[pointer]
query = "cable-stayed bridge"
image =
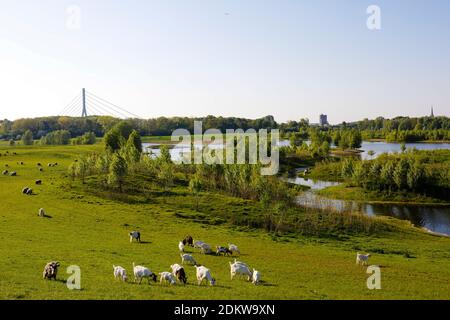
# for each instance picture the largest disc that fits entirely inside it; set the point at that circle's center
(87, 103)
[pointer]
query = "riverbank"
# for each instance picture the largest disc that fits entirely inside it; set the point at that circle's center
(351, 193)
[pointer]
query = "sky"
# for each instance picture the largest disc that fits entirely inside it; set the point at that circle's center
(243, 58)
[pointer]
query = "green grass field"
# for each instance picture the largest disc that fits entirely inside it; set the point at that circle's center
(92, 232)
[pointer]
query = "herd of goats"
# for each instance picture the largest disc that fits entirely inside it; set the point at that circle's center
(177, 273)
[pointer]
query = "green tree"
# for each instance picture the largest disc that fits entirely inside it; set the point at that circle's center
(117, 171)
(27, 138)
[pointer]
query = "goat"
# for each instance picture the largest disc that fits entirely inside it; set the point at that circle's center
(362, 258)
(135, 235)
(234, 249)
(181, 246)
(141, 272)
(188, 241)
(203, 273)
(167, 277)
(179, 273)
(256, 278)
(41, 213)
(223, 250)
(237, 269)
(120, 273)
(51, 270)
(187, 258)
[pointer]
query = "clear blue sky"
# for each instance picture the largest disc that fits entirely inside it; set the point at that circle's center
(247, 58)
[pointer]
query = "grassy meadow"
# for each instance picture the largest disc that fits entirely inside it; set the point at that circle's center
(90, 229)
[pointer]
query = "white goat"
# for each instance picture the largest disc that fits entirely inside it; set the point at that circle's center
(181, 246)
(203, 273)
(234, 249)
(120, 273)
(198, 244)
(141, 272)
(256, 277)
(362, 259)
(237, 269)
(187, 258)
(205, 248)
(167, 277)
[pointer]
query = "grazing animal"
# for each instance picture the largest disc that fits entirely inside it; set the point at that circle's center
(167, 277)
(41, 170)
(5, 172)
(256, 278)
(179, 273)
(25, 190)
(120, 273)
(141, 272)
(205, 248)
(203, 273)
(224, 251)
(38, 182)
(13, 174)
(198, 244)
(187, 258)
(29, 192)
(39, 165)
(181, 246)
(237, 269)
(41, 213)
(234, 249)
(21, 163)
(51, 270)
(188, 241)
(135, 235)
(362, 259)
(240, 262)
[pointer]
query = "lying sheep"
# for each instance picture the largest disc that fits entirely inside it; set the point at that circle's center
(27, 191)
(51, 270)
(13, 174)
(141, 272)
(38, 182)
(120, 273)
(167, 277)
(187, 258)
(203, 273)
(362, 259)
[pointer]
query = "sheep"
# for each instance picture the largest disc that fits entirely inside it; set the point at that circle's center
(223, 250)
(237, 269)
(41, 213)
(135, 235)
(362, 258)
(13, 174)
(5, 172)
(256, 278)
(25, 190)
(41, 170)
(120, 273)
(51, 270)
(187, 258)
(188, 241)
(179, 273)
(181, 246)
(29, 192)
(50, 165)
(234, 249)
(203, 273)
(141, 272)
(167, 277)
(38, 182)
(39, 165)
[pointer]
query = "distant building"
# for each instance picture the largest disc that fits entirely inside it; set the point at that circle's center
(323, 120)
(432, 113)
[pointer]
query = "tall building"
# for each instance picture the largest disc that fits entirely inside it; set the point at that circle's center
(432, 112)
(323, 120)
